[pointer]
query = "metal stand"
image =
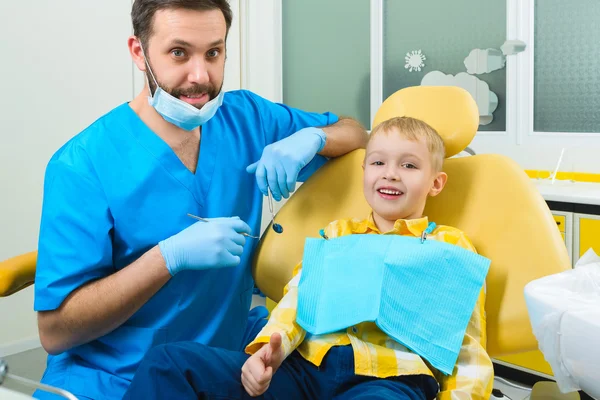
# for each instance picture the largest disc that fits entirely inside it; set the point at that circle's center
(4, 374)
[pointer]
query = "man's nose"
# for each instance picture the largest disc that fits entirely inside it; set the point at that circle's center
(198, 72)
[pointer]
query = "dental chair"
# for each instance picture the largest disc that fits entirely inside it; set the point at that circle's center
(488, 196)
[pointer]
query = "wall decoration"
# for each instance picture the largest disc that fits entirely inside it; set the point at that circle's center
(480, 61)
(487, 101)
(414, 60)
(511, 47)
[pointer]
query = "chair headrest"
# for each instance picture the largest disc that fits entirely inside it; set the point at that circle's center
(450, 110)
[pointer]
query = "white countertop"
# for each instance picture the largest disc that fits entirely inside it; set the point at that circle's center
(568, 191)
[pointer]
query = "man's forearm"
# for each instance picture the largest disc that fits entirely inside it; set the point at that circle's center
(101, 306)
(343, 137)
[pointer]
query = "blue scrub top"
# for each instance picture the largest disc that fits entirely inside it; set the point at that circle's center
(114, 191)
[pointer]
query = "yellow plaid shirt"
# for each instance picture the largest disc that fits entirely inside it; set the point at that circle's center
(375, 353)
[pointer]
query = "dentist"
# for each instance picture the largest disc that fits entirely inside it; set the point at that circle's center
(121, 267)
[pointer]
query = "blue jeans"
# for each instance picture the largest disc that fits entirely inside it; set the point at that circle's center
(189, 370)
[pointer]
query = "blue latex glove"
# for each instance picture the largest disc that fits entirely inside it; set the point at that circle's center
(218, 243)
(281, 162)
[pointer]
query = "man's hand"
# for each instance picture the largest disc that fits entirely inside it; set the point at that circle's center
(281, 162)
(214, 243)
(258, 370)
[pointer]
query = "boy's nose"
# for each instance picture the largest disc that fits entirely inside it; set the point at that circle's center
(391, 174)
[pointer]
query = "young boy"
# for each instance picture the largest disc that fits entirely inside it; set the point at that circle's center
(402, 167)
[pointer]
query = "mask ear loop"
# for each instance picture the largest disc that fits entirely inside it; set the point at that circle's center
(148, 66)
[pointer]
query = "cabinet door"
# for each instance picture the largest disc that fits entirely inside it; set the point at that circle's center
(564, 223)
(532, 362)
(587, 234)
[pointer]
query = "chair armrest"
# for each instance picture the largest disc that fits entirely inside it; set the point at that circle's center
(17, 273)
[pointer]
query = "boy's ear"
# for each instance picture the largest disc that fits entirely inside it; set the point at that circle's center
(438, 184)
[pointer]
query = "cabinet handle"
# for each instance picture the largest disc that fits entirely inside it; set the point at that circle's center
(557, 222)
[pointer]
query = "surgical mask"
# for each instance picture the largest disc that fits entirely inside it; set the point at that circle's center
(178, 112)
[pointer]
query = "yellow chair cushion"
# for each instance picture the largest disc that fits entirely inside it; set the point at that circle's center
(450, 110)
(17, 273)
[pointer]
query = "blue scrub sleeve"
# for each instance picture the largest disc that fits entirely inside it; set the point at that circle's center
(280, 121)
(75, 246)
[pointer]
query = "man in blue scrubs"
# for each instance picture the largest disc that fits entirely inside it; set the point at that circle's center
(121, 267)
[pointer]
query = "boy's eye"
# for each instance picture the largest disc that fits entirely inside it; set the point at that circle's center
(410, 166)
(377, 163)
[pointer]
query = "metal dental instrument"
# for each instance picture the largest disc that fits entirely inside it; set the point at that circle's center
(276, 227)
(205, 220)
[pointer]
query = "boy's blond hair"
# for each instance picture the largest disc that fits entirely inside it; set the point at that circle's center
(415, 129)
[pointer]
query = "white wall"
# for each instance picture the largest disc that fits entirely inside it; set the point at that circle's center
(63, 65)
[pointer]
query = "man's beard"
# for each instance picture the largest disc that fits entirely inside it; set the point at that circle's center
(195, 90)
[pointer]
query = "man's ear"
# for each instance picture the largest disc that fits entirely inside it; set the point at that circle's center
(438, 184)
(137, 55)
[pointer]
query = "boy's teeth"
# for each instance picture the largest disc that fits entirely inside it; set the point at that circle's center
(387, 191)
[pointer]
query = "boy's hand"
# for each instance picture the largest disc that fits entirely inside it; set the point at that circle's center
(260, 367)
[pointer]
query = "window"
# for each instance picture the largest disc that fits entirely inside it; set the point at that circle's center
(326, 56)
(446, 32)
(566, 66)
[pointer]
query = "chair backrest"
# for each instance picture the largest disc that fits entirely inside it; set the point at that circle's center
(487, 196)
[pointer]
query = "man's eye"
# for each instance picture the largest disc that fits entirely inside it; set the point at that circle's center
(213, 53)
(178, 53)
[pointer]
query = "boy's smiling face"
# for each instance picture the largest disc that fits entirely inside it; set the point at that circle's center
(399, 174)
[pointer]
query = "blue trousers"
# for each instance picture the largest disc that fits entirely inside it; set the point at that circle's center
(188, 370)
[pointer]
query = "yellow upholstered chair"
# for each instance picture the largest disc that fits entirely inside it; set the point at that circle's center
(488, 196)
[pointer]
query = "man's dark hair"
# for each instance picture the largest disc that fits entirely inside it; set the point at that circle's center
(142, 13)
